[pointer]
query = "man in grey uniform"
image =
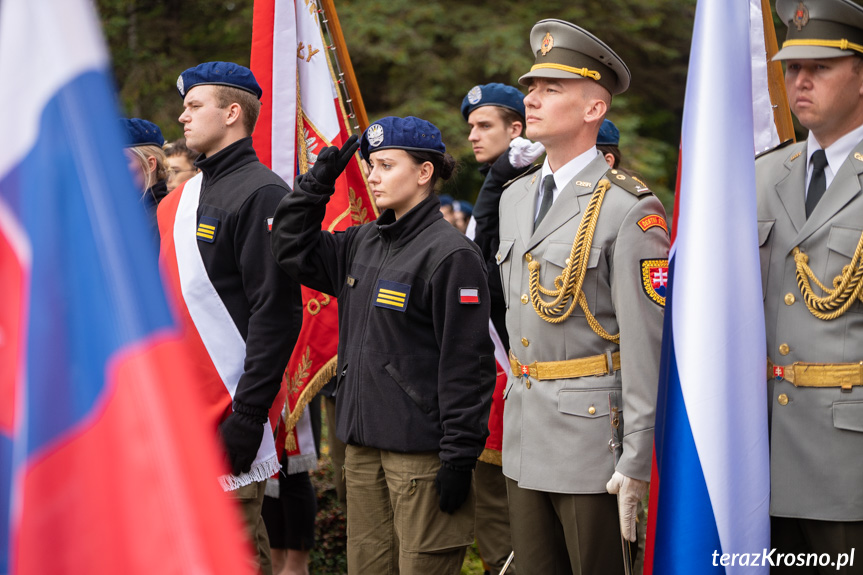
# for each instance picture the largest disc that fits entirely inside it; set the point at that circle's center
(583, 264)
(810, 220)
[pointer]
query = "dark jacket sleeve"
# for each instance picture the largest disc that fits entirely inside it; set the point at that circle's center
(467, 368)
(315, 258)
(275, 304)
(486, 214)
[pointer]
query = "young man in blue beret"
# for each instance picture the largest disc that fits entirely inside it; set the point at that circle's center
(244, 310)
(495, 114)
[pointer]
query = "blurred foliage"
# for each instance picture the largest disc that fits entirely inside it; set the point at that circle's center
(329, 555)
(421, 58)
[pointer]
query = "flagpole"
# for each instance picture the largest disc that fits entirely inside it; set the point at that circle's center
(331, 20)
(775, 78)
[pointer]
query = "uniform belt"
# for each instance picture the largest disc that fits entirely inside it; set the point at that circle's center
(605, 364)
(844, 375)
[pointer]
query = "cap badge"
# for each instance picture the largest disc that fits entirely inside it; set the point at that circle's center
(801, 16)
(548, 43)
(376, 135)
(180, 85)
(475, 95)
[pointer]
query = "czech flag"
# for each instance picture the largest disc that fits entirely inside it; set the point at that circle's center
(103, 465)
(711, 488)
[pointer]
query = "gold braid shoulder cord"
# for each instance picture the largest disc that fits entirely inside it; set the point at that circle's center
(847, 286)
(568, 284)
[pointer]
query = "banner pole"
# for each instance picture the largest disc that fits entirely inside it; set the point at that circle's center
(775, 78)
(331, 20)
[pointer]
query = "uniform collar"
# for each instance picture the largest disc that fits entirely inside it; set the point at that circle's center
(569, 170)
(403, 230)
(226, 160)
(836, 153)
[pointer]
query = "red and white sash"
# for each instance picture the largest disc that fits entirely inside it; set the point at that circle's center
(212, 336)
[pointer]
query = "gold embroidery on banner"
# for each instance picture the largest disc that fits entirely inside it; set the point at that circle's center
(358, 213)
(302, 372)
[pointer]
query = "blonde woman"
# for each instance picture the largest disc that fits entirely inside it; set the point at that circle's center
(146, 160)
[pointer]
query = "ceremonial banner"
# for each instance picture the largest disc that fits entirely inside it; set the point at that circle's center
(303, 112)
(710, 486)
(104, 468)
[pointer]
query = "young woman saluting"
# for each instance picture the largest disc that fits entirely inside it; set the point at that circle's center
(416, 369)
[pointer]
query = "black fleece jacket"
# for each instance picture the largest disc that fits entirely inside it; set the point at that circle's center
(241, 195)
(416, 371)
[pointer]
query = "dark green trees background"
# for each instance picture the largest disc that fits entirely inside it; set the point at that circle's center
(421, 58)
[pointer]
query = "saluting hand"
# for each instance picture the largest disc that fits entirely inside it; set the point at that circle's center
(332, 161)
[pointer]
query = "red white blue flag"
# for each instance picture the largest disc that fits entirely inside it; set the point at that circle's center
(710, 486)
(103, 467)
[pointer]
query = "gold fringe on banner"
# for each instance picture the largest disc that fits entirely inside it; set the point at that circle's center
(315, 384)
(491, 456)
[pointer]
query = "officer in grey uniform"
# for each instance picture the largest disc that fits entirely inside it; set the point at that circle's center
(810, 228)
(583, 264)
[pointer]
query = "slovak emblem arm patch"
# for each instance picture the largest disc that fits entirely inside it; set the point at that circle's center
(654, 279)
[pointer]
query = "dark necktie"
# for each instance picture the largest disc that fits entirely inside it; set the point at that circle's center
(547, 198)
(818, 183)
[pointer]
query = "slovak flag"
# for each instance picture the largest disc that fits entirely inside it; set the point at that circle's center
(710, 490)
(103, 466)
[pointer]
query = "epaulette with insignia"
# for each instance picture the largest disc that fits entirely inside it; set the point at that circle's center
(527, 173)
(629, 183)
(787, 142)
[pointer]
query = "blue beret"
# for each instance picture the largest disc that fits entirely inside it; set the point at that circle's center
(493, 95)
(608, 135)
(141, 133)
(219, 74)
(445, 200)
(407, 133)
(462, 206)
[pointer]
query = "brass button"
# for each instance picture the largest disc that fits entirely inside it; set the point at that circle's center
(524, 298)
(524, 342)
(528, 257)
(527, 383)
(567, 262)
(789, 299)
(497, 257)
(784, 349)
(783, 399)
(591, 410)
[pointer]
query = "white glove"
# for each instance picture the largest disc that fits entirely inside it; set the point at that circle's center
(629, 492)
(522, 152)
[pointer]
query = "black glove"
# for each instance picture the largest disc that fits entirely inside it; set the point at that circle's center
(332, 161)
(242, 432)
(453, 486)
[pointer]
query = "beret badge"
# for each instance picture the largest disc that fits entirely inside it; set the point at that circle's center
(376, 135)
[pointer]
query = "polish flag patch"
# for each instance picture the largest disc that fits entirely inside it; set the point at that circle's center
(468, 295)
(269, 225)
